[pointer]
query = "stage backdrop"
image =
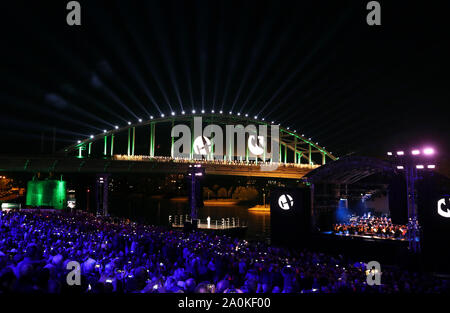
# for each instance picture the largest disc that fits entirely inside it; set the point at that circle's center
(290, 215)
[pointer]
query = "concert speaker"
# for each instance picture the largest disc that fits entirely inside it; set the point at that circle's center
(290, 215)
(397, 196)
(434, 217)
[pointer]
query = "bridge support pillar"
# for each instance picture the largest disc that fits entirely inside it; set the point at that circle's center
(211, 150)
(152, 139)
(105, 149)
(101, 194)
(310, 160)
(246, 151)
(195, 195)
(295, 150)
(80, 150)
(281, 153)
(172, 140)
(112, 144)
(264, 151)
(129, 142)
(133, 140)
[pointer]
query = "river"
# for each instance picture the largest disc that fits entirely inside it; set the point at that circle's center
(157, 211)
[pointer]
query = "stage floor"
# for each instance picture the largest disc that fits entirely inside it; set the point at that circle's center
(204, 226)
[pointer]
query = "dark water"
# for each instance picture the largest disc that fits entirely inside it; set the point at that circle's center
(157, 212)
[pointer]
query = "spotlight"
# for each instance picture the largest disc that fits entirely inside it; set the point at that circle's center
(220, 111)
(246, 115)
(116, 127)
(256, 117)
(303, 135)
(212, 111)
(431, 166)
(428, 151)
(419, 166)
(287, 128)
(203, 111)
(263, 118)
(173, 113)
(140, 120)
(129, 123)
(104, 130)
(230, 112)
(239, 114)
(389, 153)
(162, 115)
(151, 117)
(79, 141)
(273, 122)
(91, 136)
(415, 152)
(400, 153)
(182, 112)
(193, 111)
(399, 167)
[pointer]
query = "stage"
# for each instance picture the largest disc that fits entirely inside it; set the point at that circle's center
(366, 236)
(229, 230)
(365, 248)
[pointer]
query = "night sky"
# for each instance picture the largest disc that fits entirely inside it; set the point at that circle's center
(318, 68)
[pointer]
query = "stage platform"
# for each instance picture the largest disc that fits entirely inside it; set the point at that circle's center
(237, 231)
(364, 248)
(364, 236)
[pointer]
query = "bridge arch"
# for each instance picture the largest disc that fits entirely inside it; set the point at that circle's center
(294, 148)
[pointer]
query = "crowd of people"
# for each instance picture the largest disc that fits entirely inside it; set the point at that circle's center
(381, 227)
(119, 256)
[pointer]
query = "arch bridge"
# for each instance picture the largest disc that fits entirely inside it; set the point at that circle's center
(295, 149)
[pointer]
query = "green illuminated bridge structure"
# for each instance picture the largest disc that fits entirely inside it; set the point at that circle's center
(136, 148)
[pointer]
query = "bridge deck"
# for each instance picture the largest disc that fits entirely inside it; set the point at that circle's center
(164, 166)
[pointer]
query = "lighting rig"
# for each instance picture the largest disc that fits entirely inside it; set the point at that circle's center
(413, 162)
(195, 174)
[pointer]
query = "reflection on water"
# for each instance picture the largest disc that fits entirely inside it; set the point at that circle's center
(157, 211)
